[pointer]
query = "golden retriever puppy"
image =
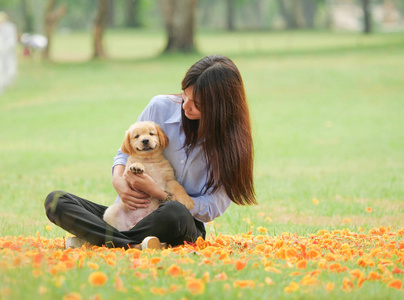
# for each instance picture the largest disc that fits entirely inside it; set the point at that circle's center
(144, 143)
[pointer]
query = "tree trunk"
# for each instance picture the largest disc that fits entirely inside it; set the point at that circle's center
(309, 10)
(28, 19)
(179, 21)
(110, 21)
(367, 20)
(230, 15)
(52, 17)
(132, 8)
(100, 18)
(288, 13)
(297, 8)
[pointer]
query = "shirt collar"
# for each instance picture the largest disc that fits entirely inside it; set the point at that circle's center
(175, 118)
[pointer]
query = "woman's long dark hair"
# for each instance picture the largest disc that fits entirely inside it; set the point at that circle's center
(224, 128)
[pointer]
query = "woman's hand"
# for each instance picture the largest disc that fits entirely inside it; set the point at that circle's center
(133, 198)
(146, 184)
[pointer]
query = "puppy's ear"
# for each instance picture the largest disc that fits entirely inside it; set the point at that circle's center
(126, 147)
(162, 137)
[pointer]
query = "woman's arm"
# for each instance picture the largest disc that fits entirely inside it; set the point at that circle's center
(132, 198)
(210, 206)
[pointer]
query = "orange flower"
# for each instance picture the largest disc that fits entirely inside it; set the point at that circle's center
(37, 259)
(155, 260)
(269, 281)
(307, 280)
(347, 285)
(72, 296)
(119, 283)
(396, 284)
(356, 273)
(273, 270)
(374, 275)
(368, 209)
(97, 278)
(313, 254)
(315, 201)
(158, 291)
(221, 276)
(174, 270)
(301, 264)
(329, 286)
(262, 230)
(244, 284)
(293, 286)
(397, 270)
(93, 266)
(195, 286)
(240, 264)
(290, 253)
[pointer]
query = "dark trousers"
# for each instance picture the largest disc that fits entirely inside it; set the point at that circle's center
(171, 222)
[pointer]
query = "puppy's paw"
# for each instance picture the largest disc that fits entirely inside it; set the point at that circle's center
(187, 201)
(136, 168)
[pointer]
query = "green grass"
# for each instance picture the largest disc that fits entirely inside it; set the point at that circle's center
(327, 112)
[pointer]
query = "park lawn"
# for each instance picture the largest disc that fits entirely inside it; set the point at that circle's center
(327, 113)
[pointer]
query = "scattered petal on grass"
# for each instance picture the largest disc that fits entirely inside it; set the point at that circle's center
(368, 209)
(315, 201)
(97, 278)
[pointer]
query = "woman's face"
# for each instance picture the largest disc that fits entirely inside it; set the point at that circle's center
(189, 106)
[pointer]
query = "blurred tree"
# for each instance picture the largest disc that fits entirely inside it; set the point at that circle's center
(230, 14)
(132, 17)
(179, 21)
(297, 13)
(367, 18)
(52, 17)
(27, 16)
(99, 29)
(110, 18)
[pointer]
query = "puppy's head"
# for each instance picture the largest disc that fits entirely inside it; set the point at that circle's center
(144, 138)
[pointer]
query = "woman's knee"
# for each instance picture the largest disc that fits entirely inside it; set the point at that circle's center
(174, 213)
(52, 201)
(175, 210)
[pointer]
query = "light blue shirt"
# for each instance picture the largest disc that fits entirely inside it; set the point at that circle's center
(192, 171)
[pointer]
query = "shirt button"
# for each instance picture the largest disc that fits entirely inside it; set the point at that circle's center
(182, 161)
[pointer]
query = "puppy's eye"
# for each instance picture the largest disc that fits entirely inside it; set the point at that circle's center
(151, 133)
(136, 136)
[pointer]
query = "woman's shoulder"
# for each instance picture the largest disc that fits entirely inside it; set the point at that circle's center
(166, 101)
(161, 108)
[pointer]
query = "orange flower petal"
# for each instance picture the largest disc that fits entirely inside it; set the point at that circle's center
(97, 278)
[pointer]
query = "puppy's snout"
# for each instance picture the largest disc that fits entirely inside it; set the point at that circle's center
(145, 141)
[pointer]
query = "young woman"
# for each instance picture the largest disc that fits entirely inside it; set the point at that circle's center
(210, 149)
